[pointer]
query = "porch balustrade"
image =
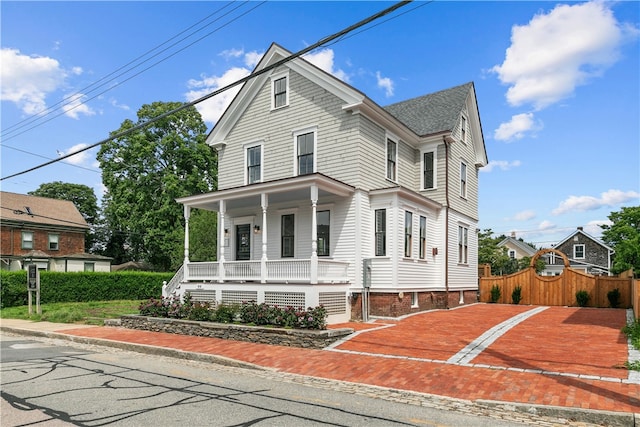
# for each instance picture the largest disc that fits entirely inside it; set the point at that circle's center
(294, 270)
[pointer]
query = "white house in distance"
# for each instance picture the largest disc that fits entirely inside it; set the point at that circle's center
(325, 197)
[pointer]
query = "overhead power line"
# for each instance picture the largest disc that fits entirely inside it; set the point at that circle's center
(225, 88)
(44, 116)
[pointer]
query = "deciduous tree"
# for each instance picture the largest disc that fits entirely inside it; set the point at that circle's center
(145, 171)
(623, 235)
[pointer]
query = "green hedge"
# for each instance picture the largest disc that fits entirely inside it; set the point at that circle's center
(81, 287)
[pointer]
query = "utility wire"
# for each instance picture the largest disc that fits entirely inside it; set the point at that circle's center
(225, 88)
(49, 158)
(13, 131)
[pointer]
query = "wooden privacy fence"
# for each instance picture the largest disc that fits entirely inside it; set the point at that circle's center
(559, 290)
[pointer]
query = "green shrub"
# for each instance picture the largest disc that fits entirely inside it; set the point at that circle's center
(516, 295)
(495, 293)
(82, 286)
(632, 331)
(582, 297)
(614, 298)
(226, 313)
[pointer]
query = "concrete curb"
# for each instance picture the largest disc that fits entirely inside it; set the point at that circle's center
(591, 416)
(140, 348)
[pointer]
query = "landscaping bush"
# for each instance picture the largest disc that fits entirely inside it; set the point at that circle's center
(81, 286)
(582, 297)
(614, 298)
(247, 313)
(516, 295)
(495, 293)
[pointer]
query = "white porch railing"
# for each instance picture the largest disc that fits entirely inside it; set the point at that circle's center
(294, 270)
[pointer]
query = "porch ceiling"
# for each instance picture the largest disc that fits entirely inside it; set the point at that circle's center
(296, 188)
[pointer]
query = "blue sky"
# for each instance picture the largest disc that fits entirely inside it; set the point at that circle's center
(558, 86)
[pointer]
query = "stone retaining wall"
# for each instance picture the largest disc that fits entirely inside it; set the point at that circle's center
(257, 334)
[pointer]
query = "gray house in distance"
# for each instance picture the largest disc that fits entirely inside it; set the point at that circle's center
(584, 252)
(325, 197)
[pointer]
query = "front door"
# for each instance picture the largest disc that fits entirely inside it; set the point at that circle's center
(243, 242)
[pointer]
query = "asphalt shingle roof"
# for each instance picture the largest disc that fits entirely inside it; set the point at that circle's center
(433, 113)
(44, 210)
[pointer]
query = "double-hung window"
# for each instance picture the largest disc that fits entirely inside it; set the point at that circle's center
(27, 240)
(381, 232)
(423, 237)
(463, 180)
(408, 222)
(463, 244)
(323, 232)
(287, 236)
(578, 251)
(428, 170)
(305, 147)
(280, 91)
(54, 242)
(392, 156)
(254, 164)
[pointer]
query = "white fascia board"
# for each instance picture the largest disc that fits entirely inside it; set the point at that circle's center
(476, 130)
(379, 116)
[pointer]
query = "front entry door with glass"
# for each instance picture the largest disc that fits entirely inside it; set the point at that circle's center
(243, 242)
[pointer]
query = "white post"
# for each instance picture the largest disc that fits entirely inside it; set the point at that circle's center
(221, 241)
(263, 260)
(187, 214)
(314, 236)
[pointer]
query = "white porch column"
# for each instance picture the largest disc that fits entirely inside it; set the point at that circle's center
(187, 214)
(314, 236)
(221, 241)
(263, 260)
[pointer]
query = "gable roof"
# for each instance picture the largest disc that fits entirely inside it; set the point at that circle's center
(411, 119)
(588, 236)
(524, 247)
(40, 210)
(442, 109)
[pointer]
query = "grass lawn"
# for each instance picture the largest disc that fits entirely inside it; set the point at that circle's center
(91, 313)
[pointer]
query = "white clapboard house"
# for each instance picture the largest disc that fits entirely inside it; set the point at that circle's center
(324, 195)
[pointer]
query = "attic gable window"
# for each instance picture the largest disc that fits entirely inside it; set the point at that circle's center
(578, 251)
(463, 129)
(428, 170)
(392, 155)
(279, 90)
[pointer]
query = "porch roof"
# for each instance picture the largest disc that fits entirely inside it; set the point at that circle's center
(281, 190)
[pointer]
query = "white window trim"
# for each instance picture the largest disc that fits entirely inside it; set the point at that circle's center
(584, 254)
(466, 252)
(435, 168)
(296, 133)
(386, 232)
(464, 191)
(57, 240)
(464, 129)
(282, 213)
(274, 77)
(245, 149)
(396, 140)
(23, 240)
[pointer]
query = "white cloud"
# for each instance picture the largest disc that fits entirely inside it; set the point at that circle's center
(252, 58)
(558, 51)
(517, 127)
(73, 106)
(501, 164)
(78, 159)
(212, 108)
(593, 227)
(589, 203)
(27, 80)
(232, 53)
(546, 225)
(385, 83)
(323, 59)
(114, 103)
(524, 215)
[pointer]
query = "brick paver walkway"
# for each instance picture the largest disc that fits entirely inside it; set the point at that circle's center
(580, 350)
